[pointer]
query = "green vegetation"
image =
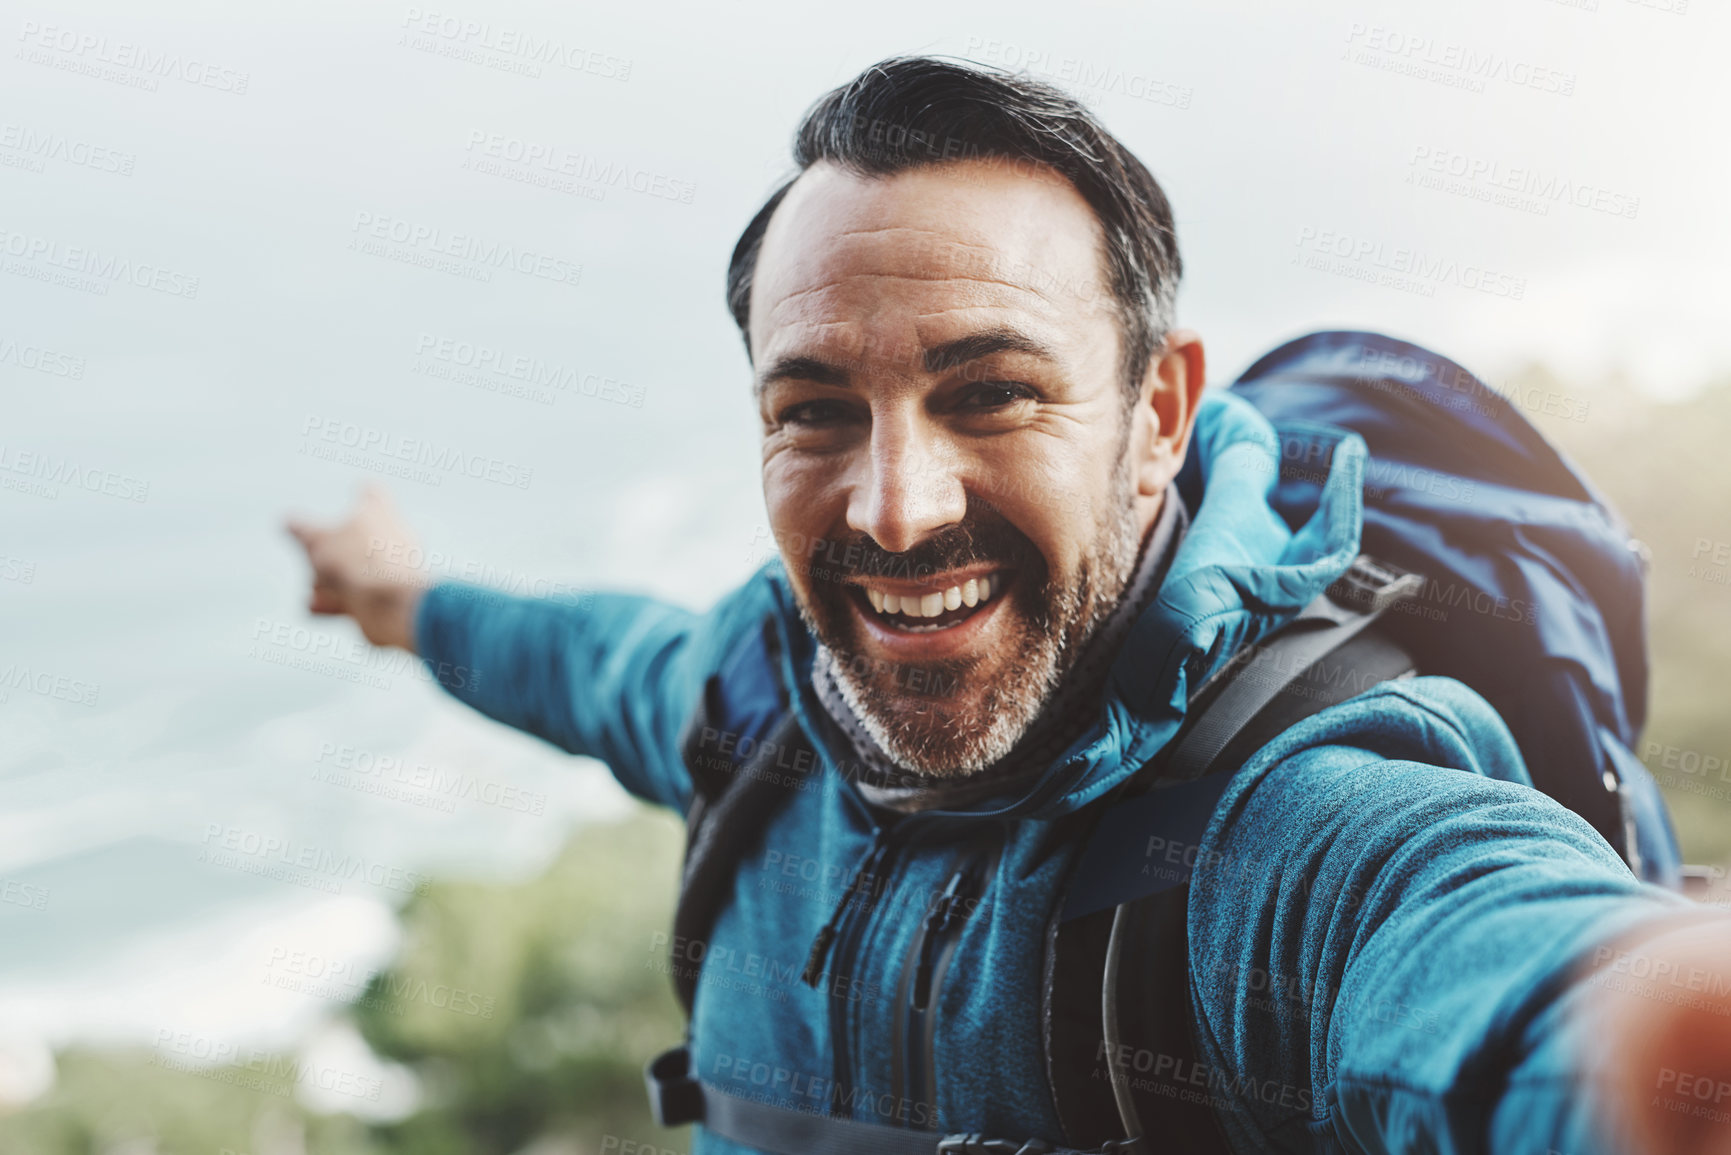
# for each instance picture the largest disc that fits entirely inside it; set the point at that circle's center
(562, 1001)
(1667, 469)
(582, 1001)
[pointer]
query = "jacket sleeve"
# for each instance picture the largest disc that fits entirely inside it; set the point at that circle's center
(612, 676)
(1386, 953)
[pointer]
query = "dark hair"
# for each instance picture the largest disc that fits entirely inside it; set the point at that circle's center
(910, 111)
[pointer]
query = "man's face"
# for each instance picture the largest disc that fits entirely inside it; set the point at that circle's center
(947, 451)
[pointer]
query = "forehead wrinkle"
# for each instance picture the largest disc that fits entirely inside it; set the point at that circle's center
(995, 258)
(876, 229)
(793, 296)
(945, 240)
(992, 260)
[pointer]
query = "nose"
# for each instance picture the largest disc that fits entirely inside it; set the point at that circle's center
(911, 486)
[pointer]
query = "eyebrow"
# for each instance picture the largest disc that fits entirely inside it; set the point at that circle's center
(977, 345)
(949, 355)
(813, 369)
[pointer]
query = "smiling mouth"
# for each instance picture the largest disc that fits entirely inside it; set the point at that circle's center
(932, 609)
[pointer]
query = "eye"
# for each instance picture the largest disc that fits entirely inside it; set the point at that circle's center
(813, 414)
(996, 395)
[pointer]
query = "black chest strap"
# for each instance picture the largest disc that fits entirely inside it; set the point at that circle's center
(679, 1098)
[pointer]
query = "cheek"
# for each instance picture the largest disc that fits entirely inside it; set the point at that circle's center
(804, 502)
(1051, 499)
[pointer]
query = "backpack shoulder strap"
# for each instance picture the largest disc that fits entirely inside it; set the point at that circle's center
(1127, 1068)
(746, 753)
(1146, 839)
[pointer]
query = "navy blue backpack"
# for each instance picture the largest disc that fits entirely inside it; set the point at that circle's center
(1534, 587)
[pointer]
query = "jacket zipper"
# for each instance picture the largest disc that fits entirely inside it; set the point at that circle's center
(835, 942)
(927, 964)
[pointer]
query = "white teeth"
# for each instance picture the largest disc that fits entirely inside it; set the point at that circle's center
(970, 593)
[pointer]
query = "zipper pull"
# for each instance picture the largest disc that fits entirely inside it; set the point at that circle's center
(813, 973)
(819, 948)
(939, 920)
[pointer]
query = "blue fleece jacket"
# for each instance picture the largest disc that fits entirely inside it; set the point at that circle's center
(1383, 921)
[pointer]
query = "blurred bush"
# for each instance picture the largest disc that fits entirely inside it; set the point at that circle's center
(1666, 468)
(571, 968)
(563, 998)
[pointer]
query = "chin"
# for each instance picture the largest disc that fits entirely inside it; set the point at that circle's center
(945, 718)
(947, 665)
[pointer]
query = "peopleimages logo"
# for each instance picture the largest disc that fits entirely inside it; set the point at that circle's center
(588, 168)
(1513, 186)
(17, 569)
(428, 245)
(40, 359)
(1397, 266)
(60, 687)
(314, 975)
(40, 147)
(350, 658)
(1173, 1076)
(491, 367)
(253, 1068)
(454, 785)
(89, 262)
(25, 894)
(1385, 369)
(44, 470)
(760, 1081)
(1442, 62)
(228, 846)
(441, 459)
(87, 52)
(1079, 72)
(433, 30)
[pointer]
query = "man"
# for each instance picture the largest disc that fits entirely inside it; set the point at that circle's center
(989, 607)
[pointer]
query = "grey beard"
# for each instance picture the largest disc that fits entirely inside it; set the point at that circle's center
(931, 742)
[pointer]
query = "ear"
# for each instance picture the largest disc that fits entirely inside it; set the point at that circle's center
(1165, 411)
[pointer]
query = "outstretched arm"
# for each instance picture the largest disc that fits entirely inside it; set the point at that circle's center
(612, 676)
(1429, 934)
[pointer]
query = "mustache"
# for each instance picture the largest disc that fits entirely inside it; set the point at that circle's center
(974, 540)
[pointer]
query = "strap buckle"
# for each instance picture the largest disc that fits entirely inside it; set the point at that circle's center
(977, 1144)
(1371, 586)
(674, 1096)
